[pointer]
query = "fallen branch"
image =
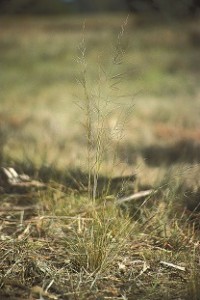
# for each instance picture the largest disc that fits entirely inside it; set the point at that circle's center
(172, 266)
(11, 181)
(135, 196)
(63, 218)
(18, 208)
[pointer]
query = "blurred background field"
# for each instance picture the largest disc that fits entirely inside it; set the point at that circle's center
(41, 118)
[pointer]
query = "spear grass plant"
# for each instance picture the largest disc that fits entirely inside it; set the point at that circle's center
(98, 106)
(97, 241)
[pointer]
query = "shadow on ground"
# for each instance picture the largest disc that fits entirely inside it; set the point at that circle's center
(75, 179)
(186, 151)
(182, 151)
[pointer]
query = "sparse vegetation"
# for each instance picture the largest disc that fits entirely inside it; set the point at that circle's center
(58, 244)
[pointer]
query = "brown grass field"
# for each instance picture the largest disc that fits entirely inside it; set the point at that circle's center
(98, 108)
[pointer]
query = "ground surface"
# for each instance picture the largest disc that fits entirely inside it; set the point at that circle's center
(112, 108)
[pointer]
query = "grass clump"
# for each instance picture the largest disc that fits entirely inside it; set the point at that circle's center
(98, 241)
